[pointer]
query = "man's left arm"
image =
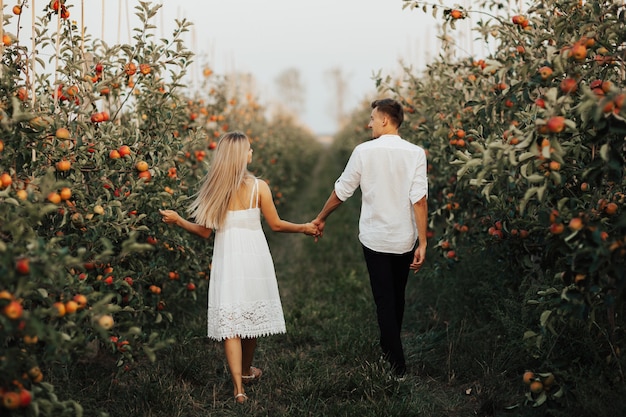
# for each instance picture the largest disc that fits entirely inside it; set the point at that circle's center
(419, 194)
(420, 209)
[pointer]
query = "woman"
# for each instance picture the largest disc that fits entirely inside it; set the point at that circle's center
(244, 302)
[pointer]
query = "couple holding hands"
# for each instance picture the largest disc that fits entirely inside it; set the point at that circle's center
(244, 302)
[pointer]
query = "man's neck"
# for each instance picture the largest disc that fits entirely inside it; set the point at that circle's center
(390, 132)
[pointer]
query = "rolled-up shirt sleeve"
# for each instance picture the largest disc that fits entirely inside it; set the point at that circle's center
(419, 185)
(350, 178)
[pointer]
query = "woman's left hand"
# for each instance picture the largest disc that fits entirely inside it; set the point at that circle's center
(169, 216)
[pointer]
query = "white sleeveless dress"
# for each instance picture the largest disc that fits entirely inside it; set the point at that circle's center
(243, 291)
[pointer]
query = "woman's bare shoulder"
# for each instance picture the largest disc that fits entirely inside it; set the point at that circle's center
(264, 188)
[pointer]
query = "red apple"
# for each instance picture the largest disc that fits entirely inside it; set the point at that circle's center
(5, 180)
(22, 266)
(578, 52)
(124, 150)
(146, 175)
(106, 322)
(557, 228)
(62, 133)
(97, 118)
(11, 400)
(545, 72)
(25, 398)
(569, 85)
(556, 124)
(13, 310)
(576, 223)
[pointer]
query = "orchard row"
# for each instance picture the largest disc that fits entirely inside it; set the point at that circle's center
(89, 152)
(526, 153)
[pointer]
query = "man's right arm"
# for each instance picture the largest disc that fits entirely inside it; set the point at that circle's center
(331, 205)
(346, 184)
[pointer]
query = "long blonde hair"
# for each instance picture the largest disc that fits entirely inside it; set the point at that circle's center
(226, 175)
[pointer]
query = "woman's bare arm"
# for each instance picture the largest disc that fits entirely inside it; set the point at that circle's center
(172, 217)
(273, 219)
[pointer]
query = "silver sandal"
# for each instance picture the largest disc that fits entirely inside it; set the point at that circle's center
(255, 375)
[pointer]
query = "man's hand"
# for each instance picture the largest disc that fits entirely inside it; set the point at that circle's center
(320, 228)
(418, 259)
(310, 229)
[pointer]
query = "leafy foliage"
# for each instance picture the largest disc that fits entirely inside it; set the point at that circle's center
(88, 154)
(526, 150)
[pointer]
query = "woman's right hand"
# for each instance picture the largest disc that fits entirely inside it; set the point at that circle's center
(311, 229)
(170, 216)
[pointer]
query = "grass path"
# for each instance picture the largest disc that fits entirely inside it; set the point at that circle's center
(295, 256)
(325, 365)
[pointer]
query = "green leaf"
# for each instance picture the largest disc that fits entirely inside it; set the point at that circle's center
(527, 195)
(535, 178)
(149, 353)
(549, 291)
(543, 320)
(541, 399)
(529, 334)
(604, 152)
(541, 190)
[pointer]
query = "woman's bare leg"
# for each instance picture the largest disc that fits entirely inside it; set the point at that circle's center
(248, 347)
(233, 351)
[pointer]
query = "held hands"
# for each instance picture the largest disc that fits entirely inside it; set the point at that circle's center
(170, 216)
(311, 229)
(320, 228)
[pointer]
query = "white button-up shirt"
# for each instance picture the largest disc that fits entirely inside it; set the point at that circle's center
(392, 175)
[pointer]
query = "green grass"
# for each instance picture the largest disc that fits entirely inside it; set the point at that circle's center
(327, 364)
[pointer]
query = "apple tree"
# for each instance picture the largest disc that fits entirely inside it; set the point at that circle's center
(526, 157)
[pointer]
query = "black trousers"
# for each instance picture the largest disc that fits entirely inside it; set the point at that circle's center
(388, 277)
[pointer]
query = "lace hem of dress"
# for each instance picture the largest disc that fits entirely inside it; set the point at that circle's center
(259, 319)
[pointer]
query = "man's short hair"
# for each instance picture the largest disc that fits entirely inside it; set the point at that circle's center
(390, 107)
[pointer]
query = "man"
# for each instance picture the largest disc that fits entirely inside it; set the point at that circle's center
(392, 175)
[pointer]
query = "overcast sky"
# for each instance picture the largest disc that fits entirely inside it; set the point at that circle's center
(266, 37)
